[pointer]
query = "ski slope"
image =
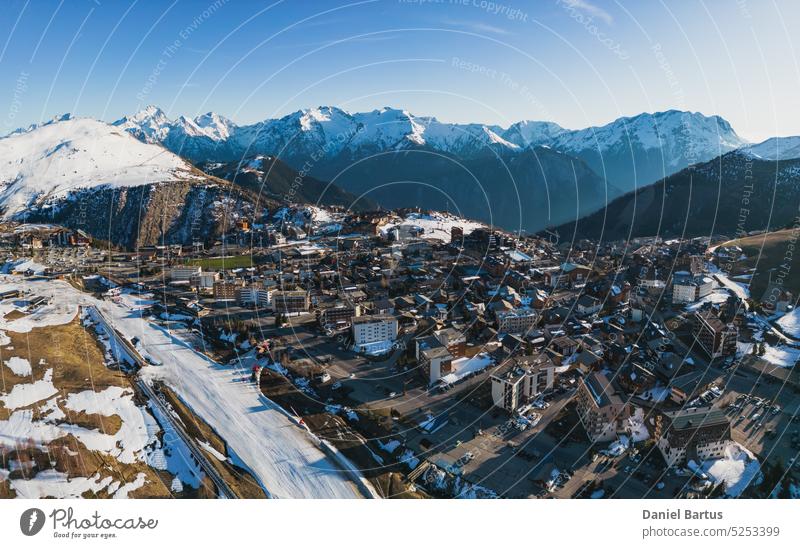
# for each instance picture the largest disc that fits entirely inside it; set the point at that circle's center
(282, 456)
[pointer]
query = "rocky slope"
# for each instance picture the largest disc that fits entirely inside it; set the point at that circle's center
(270, 178)
(155, 214)
(86, 174)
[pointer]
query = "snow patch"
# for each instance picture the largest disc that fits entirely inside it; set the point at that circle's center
(20, 366)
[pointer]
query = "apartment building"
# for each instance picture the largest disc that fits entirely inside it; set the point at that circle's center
(522, 380)
(435, 362)
(374, 328)
(254, 294)
(225, 290)
(204, 281)
(453, 339)
(516, 321)
(692, 263)
(588, 305)
(339, 315)
(567, 275)
(290, 302)
(600, 409)
(692, 434)
(689, 289)
(715, 336)
(184, 273)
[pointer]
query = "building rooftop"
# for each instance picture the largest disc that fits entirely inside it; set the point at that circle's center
(436, 352)
(692, 418)
(601, 390)
(711, 320)
(374, 318)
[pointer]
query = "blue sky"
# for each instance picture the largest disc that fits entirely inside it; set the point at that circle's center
(575, 62)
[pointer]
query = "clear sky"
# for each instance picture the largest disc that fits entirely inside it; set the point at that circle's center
(574, 62)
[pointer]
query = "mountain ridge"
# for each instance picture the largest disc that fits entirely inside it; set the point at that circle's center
(83, 173)
(729, 195)
(334, 130)
(330, 143)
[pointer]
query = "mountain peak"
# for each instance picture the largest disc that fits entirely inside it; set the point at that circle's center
(211, 118)
(68, 154)
(774, 149)
(149, 124)
(150, 111)
(665, 130)
(213, 126)
(147, 114)
(531, 133)
(54, 120)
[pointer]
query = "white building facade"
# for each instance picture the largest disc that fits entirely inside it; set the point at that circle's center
(374, 329)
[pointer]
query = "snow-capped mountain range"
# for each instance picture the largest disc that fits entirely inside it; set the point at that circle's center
(635, 151)
(775, 148)
(677, 133)
(322, 131)
(368, 154)
(330, 132)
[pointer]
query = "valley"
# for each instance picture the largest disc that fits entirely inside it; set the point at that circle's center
(193, 179)
(489, 173)
(227, 297)
(264, 261)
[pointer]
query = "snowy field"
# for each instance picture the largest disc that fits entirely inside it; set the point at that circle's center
(790, 323)
(737, 469)
(740, 289)
(436, 225)
(23, 265)
(134, 301)
(57, 311)
(40, 413)
(260, 436)
(52, 483)
(136, 440)
(19, 366)
(781, 355)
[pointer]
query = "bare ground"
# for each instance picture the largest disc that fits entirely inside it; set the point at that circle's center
(77, 361)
